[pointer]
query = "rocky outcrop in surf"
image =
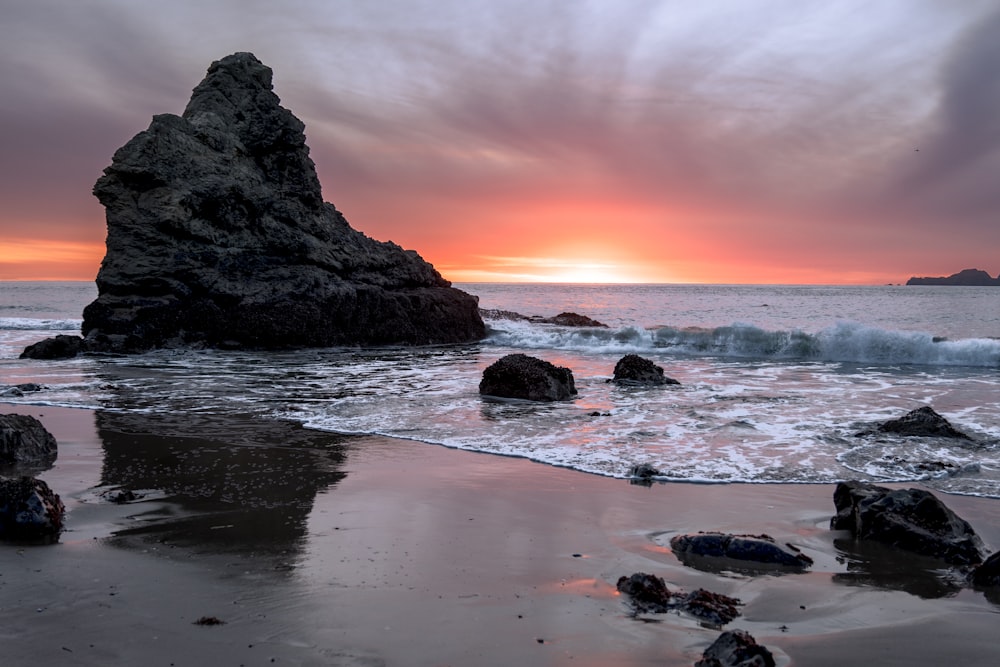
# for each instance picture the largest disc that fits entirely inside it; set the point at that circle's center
(218, 236)
(528, 378)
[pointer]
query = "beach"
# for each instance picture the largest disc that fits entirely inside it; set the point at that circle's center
(314, 548)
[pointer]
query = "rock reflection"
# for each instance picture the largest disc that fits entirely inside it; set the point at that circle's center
(239, 486)
(870, 563)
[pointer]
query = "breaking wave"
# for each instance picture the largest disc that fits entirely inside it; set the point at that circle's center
(31, 324)
(843, 342)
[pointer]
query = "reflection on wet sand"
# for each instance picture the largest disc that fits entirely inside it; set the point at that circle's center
(236, 486)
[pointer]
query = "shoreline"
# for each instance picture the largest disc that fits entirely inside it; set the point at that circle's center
(319, 549)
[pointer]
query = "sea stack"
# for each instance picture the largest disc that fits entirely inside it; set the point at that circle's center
(218, 236)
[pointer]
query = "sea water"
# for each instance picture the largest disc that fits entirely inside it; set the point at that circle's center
(777, 383)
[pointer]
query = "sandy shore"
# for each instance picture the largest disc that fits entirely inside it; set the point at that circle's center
(318, 549)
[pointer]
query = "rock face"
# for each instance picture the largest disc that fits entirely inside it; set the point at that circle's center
(218, 235)
(910, 519)
(967, 277)
(736, 648)
(521, 376)
(25, 443)
(750, 549)
(29, 509)
(922, 422)
(635, 371)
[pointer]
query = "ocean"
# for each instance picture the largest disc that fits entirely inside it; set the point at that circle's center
(776, 382)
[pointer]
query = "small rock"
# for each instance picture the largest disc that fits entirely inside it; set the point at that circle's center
(635, 371)
(755, 549)
(736, 648)
(29, 509)
(714, 608)
(649, 593)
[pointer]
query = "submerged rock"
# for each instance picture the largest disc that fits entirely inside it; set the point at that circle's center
(218, 236)
(29, 509)
(748, 549)
(26, 444)
(736, 648)
(58, 347)
(922, 422)
(910, 519)
(636, 371)
(521, 376)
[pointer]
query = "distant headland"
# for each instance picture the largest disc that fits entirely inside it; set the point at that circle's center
(966, 277)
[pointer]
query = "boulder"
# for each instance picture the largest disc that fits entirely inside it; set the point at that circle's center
(58, 347)
(922, 422)
(218, 236)
(736, 648)
(910, 519)
(633, 370)
(29, 509)
(25, 443)
(749, 550)
(521, 376)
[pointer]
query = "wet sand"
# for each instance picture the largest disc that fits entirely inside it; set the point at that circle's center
(319, 549)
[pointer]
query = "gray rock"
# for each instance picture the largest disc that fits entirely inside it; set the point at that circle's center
(910, 519)
(736, 648)
(26, 444)
(218, 236)
(749, 550)
(633, 370)
(521, 376)
(571, 320)
(29, 509)
(57, 347)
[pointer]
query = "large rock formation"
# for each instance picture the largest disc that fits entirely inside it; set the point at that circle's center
(218, 235)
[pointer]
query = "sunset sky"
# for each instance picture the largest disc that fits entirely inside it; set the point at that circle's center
(724, 141)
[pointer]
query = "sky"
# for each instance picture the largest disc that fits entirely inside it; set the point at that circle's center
(724, 141)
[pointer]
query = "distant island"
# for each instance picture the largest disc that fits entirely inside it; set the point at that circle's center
(966, 277)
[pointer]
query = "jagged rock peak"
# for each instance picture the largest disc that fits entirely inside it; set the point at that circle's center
(218, 235)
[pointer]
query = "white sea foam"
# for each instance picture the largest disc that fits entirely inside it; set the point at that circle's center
(772, 401)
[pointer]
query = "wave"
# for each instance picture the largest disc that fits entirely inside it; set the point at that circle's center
(843, 342)
(31, 324)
